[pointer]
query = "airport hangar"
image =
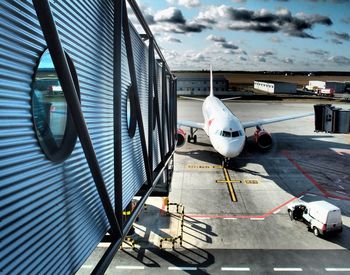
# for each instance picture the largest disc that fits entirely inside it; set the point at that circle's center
(275, 87)
(194, 84)
(67, 176)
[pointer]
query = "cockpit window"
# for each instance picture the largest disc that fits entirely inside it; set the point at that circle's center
(226, 134)
(231, 134)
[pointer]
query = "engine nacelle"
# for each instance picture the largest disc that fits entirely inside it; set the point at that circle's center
(181, 138)
(263, 139)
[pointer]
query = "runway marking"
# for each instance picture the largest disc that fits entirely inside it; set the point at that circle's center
(257, 219)
(251, 181)
(311, 179)
(333, 269)
(341, 187)
(189, 268)
(87, 266)
(230, 186)
(277, 211)
(283, 269)
(235, 269)
(341, 192)
(129, 267)
(230, 218)
(200, 166)
(312, 195)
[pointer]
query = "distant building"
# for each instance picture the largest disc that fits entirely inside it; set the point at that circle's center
(200, 85)
(275, 87)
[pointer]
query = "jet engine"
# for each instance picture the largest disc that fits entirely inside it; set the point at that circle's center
(263, 138)
(181, 138)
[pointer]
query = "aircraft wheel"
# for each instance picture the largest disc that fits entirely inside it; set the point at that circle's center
(195, 139)
(189, 139)
(290, 213)
(316, 232)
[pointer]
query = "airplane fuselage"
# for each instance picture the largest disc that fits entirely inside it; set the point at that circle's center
(224, 129)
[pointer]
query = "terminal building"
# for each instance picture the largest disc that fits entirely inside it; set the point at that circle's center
(275, 87)
(200, 85)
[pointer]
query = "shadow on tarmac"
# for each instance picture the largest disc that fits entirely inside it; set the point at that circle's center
(322, 164)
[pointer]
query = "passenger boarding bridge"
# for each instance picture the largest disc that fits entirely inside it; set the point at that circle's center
(87, 122)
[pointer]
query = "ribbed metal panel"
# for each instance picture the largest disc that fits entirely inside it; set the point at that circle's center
(51, 214)
(134, 173)
(156, 141)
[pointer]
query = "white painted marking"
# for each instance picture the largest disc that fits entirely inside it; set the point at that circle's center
(86, 266)
(301, 197)
(287, 269)
(257, 219)
(129, 267)
(202, 218)
(230, 218)
(341, 187)
(332, 269)
(341, 192)
(190, 268)
(235, 269)
(277, 211)
(312, 195)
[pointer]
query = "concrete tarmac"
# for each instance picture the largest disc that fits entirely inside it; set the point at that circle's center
(253, 234)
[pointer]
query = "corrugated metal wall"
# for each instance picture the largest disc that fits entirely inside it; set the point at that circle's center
(51, 214)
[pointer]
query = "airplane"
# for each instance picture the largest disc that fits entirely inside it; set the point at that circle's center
(225, 131)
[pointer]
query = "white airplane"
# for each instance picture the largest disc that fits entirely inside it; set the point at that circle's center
(226, 132)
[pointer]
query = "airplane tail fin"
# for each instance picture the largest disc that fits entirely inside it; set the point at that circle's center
(211, 81)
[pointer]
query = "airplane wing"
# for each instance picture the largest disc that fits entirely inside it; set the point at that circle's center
(254, 123)
(230, 98)
(190, 124)
(192, 98)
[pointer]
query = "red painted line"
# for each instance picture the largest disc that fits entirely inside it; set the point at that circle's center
(283, 204)
(311, 179)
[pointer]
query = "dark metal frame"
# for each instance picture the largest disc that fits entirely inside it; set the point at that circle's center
(118, 230)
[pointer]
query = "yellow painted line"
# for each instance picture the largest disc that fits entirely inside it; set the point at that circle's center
(230, 186)
(225, 181)
(195, 166)
(251, 181)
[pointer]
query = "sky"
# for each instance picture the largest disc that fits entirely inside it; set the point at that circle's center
(251, 35)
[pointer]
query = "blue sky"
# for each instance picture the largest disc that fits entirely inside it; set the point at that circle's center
(253, 34)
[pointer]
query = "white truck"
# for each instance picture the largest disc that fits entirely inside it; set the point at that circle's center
(320, 216)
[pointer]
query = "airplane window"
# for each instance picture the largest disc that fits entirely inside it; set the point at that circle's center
(235, 134)
(226, 134)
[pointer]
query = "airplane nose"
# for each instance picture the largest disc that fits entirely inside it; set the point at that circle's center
(231, 148)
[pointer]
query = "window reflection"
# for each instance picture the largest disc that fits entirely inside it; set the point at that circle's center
(49, 104)
(53, 124)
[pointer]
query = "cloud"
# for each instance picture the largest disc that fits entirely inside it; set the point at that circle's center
(216, 38)
(318, 52)
(288, 60)
(275, 39)
(172, 20)
(346, 20)
(170, 15)
(340, 60)
(339, 35)
(172, 39)
(186, 3)
(242, 58)
(336, 41)
(229, 45)
(260, 59)
(264, 21)
(265, 53)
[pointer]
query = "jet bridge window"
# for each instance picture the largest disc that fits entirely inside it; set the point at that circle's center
(52, 120)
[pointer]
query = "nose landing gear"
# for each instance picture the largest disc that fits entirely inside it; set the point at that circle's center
(192, 138)
(225, 162)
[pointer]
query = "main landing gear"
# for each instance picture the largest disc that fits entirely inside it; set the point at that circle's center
(192, 138)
